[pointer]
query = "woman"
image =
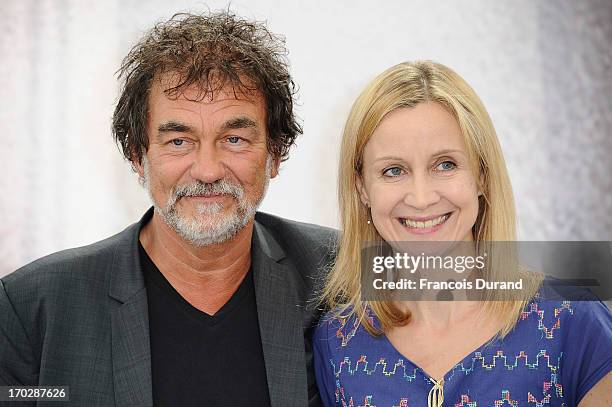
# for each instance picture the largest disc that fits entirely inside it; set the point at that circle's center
(420, 161)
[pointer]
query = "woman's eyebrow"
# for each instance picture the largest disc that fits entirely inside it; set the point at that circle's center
(389, 158)
(436, 154)
(448, 151)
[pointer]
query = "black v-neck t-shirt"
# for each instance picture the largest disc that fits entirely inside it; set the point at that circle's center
(199, 359)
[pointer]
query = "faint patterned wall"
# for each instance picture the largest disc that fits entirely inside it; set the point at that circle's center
(543, 69)
(576, 37)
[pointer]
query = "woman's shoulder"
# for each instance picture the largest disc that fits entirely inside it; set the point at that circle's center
(342, 325)
(581, 307)
(581, 326)
(565, 320)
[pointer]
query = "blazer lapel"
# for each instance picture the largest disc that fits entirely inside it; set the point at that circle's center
(131, 350)
(280, 322)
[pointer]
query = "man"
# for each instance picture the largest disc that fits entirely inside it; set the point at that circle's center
(202, 302)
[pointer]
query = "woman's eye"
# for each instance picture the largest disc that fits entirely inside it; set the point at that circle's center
(393, 172)
(233, 139)
(446, 166)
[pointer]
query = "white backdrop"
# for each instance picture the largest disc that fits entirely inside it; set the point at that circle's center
(543, 69)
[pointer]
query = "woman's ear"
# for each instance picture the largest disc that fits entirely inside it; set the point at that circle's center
(363, 194)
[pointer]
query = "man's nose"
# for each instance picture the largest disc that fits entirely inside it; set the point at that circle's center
(422, 192)
(208, 164)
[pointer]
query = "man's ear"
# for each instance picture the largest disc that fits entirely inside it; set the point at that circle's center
(138, 167)
(363, 194)
(275, 167)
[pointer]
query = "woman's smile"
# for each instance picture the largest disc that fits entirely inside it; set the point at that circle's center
(424, 225)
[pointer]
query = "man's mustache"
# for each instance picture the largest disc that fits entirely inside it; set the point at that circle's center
(199, 188)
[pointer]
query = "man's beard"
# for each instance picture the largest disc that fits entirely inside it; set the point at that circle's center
(215, 227)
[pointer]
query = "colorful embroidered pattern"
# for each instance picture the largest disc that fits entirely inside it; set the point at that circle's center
(537, 364)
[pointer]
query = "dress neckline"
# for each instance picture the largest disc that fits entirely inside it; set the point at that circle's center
(493, 340)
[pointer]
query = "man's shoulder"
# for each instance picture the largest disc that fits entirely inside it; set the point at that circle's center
(300, 232)
(309, 248)
(86, 263)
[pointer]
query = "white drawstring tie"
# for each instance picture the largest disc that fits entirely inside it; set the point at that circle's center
(436, 394)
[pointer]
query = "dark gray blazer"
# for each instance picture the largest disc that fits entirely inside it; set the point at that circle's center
(79, 317)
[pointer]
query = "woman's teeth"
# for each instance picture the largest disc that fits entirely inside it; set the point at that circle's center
(424, 225)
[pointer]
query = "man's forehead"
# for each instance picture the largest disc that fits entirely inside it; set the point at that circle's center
(213, 89)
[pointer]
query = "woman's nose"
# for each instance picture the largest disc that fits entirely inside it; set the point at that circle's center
(421, 193)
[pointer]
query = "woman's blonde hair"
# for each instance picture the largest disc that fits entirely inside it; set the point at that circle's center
(404, 86)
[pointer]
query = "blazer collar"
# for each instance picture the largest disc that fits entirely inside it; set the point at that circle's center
(265, 242)
(127, 278)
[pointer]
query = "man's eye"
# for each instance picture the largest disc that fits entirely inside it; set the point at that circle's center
(446, 166)
(177, 142)
(233, 139)
(393, 172)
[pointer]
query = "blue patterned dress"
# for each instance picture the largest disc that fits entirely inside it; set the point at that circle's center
(556, 353)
